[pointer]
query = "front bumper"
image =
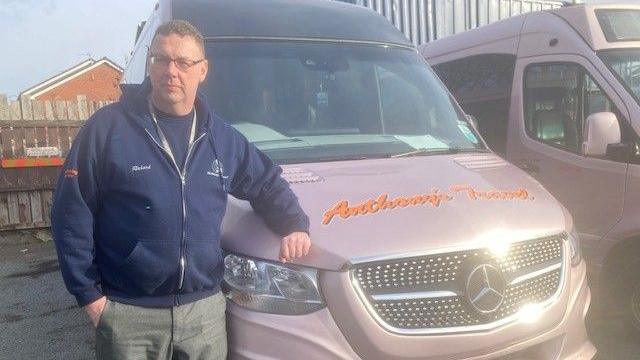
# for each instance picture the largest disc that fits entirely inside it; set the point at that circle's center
(254, 335)
(344, 330)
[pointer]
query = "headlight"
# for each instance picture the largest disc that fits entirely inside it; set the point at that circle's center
(267, 287)
(576, 253)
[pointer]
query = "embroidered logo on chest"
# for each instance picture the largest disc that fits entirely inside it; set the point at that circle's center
(217, 169)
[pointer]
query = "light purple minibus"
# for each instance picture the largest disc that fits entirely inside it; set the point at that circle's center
(426, 245)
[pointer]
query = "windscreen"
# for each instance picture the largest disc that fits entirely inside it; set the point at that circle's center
(626, 64)
(315, 101)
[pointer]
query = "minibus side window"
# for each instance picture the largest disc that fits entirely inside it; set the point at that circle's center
(558, 98)
(482, 86)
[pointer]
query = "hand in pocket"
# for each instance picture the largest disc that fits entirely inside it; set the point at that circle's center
(95, 310)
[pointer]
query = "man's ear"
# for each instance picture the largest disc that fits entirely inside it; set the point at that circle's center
(204, 70)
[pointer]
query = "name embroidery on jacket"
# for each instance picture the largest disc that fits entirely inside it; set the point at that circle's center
(140, 167)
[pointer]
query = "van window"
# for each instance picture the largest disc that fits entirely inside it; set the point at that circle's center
(558, 98)
(482, 86)
(619, 24)
(626, 65)
(315, 101)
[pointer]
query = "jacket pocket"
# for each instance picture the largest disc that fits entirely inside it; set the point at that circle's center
(151, 268)
(205, 265)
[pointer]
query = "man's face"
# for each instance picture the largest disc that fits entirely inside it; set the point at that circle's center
(174, 83)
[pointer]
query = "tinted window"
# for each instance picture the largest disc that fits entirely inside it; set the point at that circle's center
(620, 24)
(480, 77)
(482, 86)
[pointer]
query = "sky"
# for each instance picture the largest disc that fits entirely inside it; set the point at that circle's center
(41, 38)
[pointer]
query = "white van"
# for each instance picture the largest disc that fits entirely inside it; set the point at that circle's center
(557, 93)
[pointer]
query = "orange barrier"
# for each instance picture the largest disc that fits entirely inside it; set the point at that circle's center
(32, 162)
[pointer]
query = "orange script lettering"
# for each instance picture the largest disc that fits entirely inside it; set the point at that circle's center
(372, 206)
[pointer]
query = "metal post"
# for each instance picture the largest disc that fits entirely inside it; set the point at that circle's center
(423, 22)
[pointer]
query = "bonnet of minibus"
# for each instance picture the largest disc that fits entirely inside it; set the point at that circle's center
(393, 207)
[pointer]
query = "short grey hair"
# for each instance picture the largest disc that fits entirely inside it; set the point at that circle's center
(182, 28)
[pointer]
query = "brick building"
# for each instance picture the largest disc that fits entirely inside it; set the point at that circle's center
(98, 80)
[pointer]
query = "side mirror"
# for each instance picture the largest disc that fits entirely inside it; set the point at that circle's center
(600, 130)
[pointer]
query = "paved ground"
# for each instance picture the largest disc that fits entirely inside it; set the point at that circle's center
(39, 320)
(614, 341)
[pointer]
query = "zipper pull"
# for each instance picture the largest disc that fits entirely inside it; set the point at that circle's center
(182, 271)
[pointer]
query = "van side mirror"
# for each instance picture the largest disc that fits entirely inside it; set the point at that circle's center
(600, 130)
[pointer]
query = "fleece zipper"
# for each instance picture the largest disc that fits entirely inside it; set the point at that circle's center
(183, 180)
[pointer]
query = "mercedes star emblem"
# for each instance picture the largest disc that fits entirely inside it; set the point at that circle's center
(485, 288)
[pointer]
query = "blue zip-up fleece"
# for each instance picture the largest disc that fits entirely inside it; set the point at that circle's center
(125, 221)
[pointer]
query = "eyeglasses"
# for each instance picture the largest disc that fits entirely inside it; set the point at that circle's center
(181, 63)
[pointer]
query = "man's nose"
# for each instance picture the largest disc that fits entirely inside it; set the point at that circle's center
(172, 68)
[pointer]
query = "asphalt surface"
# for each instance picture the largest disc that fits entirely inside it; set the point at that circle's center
(40, 320)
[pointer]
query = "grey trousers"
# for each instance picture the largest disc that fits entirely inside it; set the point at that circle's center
(192, 331)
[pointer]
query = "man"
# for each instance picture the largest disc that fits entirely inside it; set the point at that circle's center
(138, 207)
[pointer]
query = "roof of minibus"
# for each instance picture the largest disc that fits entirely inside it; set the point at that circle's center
(502, 36)
(300, 19)
(583, 19)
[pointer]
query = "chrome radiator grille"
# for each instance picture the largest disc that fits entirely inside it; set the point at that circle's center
(460, 291)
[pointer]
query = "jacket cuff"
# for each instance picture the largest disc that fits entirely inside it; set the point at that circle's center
(298, 225)
(88, 296)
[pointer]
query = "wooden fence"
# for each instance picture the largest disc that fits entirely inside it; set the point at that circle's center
(25, 109)
(35, 137)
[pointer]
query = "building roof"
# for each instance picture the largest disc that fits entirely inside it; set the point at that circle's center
(67, 75)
